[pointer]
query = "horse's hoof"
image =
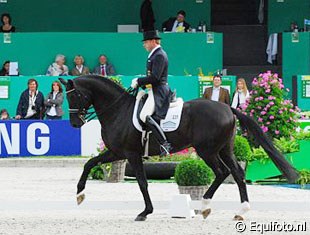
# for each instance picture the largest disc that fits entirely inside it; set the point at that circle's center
(140, 218)
(80, 198)
(206, 213)
(238, 217)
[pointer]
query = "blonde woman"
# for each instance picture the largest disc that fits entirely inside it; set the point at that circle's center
(79, 68)
(241, 94)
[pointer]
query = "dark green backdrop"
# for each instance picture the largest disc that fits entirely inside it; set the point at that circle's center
(281, 14)
(296, 57)
(95, 15)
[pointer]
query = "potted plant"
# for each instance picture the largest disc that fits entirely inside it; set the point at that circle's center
(100, 172)
(111, 172)
(276, 116)
(193, 177)
(304, 178)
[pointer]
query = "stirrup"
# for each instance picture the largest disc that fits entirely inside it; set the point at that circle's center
(165, 149)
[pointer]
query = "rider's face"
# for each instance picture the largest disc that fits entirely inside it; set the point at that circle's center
(149, 44)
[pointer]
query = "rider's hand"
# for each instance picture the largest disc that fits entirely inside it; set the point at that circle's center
(134, 83)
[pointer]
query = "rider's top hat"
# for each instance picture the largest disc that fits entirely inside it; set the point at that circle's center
(149, 35)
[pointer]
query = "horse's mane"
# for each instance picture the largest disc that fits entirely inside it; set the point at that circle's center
(101, 80)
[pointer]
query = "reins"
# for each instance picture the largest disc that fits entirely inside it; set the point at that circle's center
(85, 115)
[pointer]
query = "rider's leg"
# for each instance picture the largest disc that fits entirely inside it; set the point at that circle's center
(149, 106)
(145, 115)
(165, 147)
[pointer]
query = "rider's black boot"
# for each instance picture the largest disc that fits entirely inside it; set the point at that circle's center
(165, 146)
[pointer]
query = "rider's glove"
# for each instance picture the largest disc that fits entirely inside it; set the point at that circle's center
(134, 83)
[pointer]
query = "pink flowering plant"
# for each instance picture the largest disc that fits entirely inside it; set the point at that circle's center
(276, 116)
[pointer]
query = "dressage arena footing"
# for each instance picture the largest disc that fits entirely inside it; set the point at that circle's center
(43, 162)
(38, 197)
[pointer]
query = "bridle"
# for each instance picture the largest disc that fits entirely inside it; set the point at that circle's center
(84, 114)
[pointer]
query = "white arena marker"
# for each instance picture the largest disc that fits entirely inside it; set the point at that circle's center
(180, 207)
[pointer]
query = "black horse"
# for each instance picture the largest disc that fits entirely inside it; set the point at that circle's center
(207, 126)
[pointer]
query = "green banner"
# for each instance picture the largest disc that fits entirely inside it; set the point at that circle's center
(4, 88)
(228, 82)
(305, 86)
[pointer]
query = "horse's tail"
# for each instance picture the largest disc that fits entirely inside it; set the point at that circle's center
(246, 122)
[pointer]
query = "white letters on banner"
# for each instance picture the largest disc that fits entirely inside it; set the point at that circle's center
(31, 139)
(12, 143)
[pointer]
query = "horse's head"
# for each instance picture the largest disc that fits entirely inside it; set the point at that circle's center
(79, 103)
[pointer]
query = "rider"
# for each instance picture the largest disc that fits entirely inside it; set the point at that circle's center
(157, 103)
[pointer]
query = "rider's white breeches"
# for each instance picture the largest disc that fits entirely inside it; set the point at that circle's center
(149, 106)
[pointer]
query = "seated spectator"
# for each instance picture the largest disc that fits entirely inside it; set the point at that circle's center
(104, 68)
(31, 102)
(241, 94)
(176, 24)
(217, 93)
(6, 24)
(58, 68)
(53, 102)
(79, 68)
(5, 69)
(4, 115)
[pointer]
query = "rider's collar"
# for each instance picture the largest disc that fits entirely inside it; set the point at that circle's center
(152, 51)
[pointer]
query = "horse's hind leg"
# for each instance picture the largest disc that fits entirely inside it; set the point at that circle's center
(137, 165)
(220, 171)
(105, 157)
(238, 174)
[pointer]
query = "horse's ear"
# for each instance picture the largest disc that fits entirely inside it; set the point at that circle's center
(68, 84)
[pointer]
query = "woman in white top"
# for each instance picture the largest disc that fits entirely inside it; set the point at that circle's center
(53, 102)
(241, 94)
(58, 68)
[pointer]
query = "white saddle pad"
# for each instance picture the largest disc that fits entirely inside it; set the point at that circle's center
(173, 117)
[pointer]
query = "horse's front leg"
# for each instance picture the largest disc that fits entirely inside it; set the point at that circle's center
(105, 157)
(137, 165)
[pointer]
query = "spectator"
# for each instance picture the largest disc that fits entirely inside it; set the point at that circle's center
(58, 68)
(147, 16)
(6, 24)
(31, 102)
(79, 68)
(176, 24)
(4, 115)
(104, 68)
(241, 94)
(53, 102)
(217, 93)
(5, 68)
